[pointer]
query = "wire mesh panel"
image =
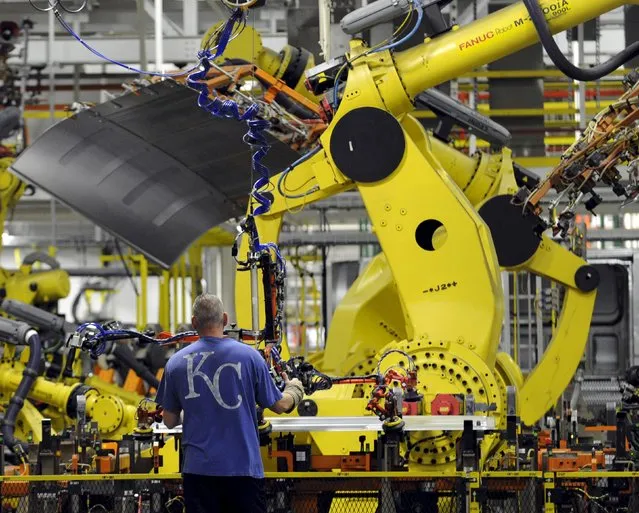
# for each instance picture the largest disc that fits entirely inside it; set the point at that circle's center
(308, 494)
(511, 493)
(125, 494)
(366, 495)
(599, 492)
(494, 492)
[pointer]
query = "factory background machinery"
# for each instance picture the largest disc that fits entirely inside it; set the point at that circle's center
(447, 266)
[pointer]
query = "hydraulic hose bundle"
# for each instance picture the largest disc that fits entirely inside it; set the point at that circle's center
(563, 64)
(19, 333)
(255, 137)
(29, 375)
(93, 337)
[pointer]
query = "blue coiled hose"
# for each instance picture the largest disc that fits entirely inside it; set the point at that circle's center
(255, 137)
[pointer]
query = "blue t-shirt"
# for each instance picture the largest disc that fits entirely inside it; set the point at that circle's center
(217, 382)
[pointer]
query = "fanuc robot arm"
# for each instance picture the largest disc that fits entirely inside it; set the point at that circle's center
(18, 383)
(21, 383)
(447, 223)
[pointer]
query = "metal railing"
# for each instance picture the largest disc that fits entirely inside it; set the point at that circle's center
(298, 492)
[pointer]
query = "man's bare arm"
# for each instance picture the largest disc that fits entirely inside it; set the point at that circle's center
(291, 397)
(285, 404)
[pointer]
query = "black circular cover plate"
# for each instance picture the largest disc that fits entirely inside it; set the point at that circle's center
(307, 408)
(513, 231)
(367, 144)
(587, 278)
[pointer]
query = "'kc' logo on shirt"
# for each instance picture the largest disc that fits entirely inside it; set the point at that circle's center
(214, 386)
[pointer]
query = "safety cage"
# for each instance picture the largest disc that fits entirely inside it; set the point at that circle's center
(492, 492)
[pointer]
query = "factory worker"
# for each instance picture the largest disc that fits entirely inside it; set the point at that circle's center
(213, 385)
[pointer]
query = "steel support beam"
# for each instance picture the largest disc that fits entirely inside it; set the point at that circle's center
(169, 27)
(141, 25)
(190, 20)
(467, 13)
(287, 239)
(127, 50)
(353, 238)
(159, 34)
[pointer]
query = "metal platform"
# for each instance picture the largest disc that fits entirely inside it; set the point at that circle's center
(344, 424)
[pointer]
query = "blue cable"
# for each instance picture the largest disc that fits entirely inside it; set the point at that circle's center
(94, 350)
(256, 139)
(420, 14)
(236, 17)
(97, 343)
(256, 135)
(290, 168)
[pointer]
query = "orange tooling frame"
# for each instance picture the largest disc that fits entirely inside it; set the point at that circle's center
(621, 114)
(228, 78)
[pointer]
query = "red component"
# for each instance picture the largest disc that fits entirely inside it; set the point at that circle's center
(544, 439)
(445, 404)
(9, 30)
(406, 381)
(326, 112)
(374, 403)
(163, 335)
(273, 304)
(410, 408)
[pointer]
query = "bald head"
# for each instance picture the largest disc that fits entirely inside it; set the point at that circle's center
(209, 317)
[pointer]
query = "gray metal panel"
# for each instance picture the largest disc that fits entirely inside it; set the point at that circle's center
(608, 348)
(612, 294)
(152, 168)
(341, 277)
(9, 121)
(302, 24)
(605, 354)
(631, 21)
(528, 132)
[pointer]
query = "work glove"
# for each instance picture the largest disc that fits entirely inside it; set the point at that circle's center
(295, 389)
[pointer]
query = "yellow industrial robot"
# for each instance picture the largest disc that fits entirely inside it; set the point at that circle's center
(28, 284)
(447, 225)
(43, 287)
(22, 388)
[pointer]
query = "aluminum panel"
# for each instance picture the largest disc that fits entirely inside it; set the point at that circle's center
(152, 168)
